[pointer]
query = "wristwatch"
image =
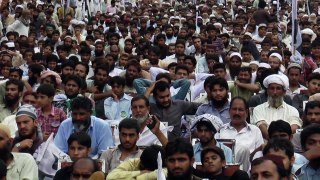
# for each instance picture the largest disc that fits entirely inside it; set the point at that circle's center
(18, 145)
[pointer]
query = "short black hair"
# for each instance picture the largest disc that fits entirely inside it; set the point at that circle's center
(279, 126)
(179, 145)
(36, 69)
(148, 158)
(117, 80)
(52, 58)
(68, 63)
(46, 89)
(183, 67)
(164, 75)
(76, 79)
(219, 81)
(309, 105)
(208, 81)
(129, 123)
(312, 76)
(81, 137)
(154, 49)
(193, 60)
(279, 144)
(160, 86)
(15, 82)
(103, 67)
(307, 132)
(215, 150)
(18, 70)
(246, 69)
(140, 97)
(81, 103)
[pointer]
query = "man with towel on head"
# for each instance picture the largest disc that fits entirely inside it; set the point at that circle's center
(275, 108)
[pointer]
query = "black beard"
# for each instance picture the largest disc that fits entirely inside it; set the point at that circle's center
(89, 32)
(100, 85)
(226, 44)
(29, 136)
(68, 47)
(129, 81)
(169, 36)
(220, 103)
(111, 68)
(10, 102)
(98, 53)
(234, 71)
(185, 176)
(81, 125)
(199, 24)
(129, 51)
(71, 96)
(305, 51)
(5, 153)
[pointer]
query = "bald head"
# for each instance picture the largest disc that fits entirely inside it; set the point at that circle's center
(84, 168)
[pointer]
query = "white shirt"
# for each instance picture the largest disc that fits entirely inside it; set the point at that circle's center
(10, 121)
(265, 113)
(295, 92)
(23, 166)
(250, 136)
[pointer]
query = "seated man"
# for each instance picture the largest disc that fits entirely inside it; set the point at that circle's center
(275, 108)
(81, 120)
(143, 168)
(129, 130)
(206, 127)
(310, 140)
(19, 165)
(268, 167)
(84, 168)
(29, 138)
(79, 146)
(179, 160)
(214, 163)
(117, 107)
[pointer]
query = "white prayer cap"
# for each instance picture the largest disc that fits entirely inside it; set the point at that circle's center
(218, 25)
(254, 62)
(213, 121)
(309, 32)
(276, 79)
(264, 65)
(235, 54)
(19, 6)
(277, 55)
(248, 34)
(10, 44)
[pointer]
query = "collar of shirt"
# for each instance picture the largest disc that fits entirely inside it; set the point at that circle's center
(126, 97)
(52, 113)
(228, 126)
(119, 148)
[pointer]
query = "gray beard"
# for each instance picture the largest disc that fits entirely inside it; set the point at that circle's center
(141, 119)
(275, 101)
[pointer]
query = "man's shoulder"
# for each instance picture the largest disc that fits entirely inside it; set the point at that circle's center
(22, 157)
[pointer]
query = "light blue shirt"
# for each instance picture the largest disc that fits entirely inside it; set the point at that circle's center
(223, 113)
(99, 131)
(308, 173)
(117, 110)
(197, 148)
(202, 66)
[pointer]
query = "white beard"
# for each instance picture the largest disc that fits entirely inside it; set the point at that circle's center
(141, 119)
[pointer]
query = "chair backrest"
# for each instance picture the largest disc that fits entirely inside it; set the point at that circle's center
(231, 144)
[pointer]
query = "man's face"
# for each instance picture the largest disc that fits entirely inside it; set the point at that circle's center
(71, 88)
(179, 165)
(197, 43)
(294, 76)
(314, 86)
(169, 31)
(85, 58)
(77, 151)
(99, 47)
(128, 45)
(114, 51)
(313, 141)
(244, 77)
(280, 135)
(274, 63)
(213, 163)
(26, 126)
(265, 170)
(182, 74)
(67, 71)
(204, 134)
(5, 142)
(123, 60)
(218, 93)
(118, 90)
(12, 92)
(189, 64)
(30, 99)
(172, 49)
(128, 138)
(80, 118)
(275, 90)
(313, 115)
(80, 70)
(246, 56)
(140, 110)
(220, 72)
(235, 62)
(132, 72)
(286, 161)
(114, 41)
(101, 76)
(264, 56)
(43, 100)
(163, 98)
(179, 49)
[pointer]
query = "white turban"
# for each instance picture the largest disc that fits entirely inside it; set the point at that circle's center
(276, 55)
(276, 79)
(214, 121)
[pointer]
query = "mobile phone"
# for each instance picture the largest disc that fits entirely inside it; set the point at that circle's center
(154, 121)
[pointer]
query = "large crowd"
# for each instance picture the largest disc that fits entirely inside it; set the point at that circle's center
(146, 90)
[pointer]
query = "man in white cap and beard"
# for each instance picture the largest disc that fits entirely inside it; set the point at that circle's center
(275, 61)
(275, 108)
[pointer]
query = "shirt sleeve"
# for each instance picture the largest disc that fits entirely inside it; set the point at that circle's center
(104, 136)
(127, 170)
(257, 116)
(184, 85)
(30, 169)
(108, 108)
(60, 139)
